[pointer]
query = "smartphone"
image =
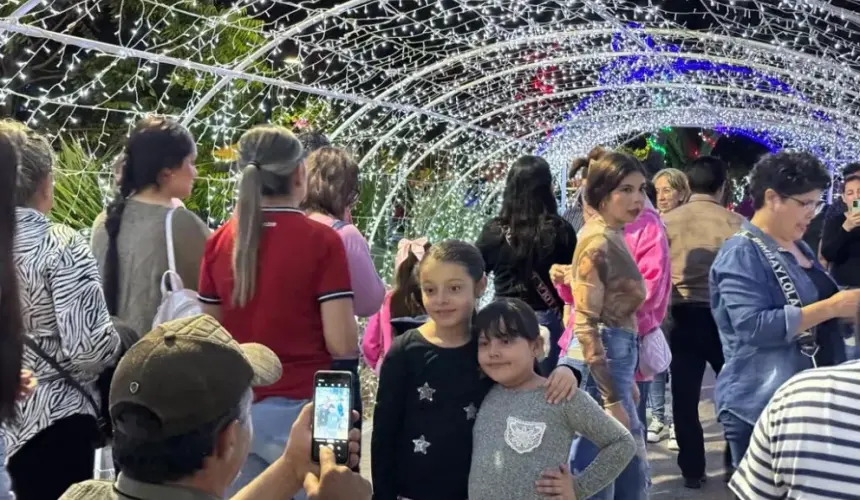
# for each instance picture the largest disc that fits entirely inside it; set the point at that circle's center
(332, 414)
(856, 206)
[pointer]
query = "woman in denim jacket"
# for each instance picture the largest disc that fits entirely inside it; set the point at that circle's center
(760, 330)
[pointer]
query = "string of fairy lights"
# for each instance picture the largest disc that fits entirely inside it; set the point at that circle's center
(441, 90)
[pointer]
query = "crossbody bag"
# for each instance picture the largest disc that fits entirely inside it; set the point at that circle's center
(806, 340)
(104, 427)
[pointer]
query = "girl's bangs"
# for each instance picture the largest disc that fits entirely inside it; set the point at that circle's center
(500, 321)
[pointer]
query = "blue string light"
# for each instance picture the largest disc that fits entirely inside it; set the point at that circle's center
(619, 72)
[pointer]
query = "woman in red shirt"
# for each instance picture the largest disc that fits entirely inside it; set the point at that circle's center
(273, 276)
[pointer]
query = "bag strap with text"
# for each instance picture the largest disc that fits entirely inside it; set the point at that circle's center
(806, 340)
(542, 290)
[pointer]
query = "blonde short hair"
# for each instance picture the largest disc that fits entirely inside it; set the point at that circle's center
(677, 180)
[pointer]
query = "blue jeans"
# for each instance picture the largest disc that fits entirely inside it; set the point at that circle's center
(656, 397)
(738, 434)
(5, 482)
(622, 353)
(642, 408)
(272, 419)
(552, 321)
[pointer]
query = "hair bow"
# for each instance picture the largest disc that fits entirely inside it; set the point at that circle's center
(405, 246)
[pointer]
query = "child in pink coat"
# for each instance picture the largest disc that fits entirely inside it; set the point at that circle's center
(401, 309)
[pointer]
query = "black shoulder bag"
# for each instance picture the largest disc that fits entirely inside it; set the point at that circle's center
(103, 425)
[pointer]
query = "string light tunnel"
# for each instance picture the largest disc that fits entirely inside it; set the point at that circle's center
(435, 97)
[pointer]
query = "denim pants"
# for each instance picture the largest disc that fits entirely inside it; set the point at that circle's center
(5, 482)
(272, 419)
(642, 407)
(622, 353)
(738, 434)
(552, 321)
(656, 397)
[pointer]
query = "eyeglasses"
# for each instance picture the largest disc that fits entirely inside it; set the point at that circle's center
(804, 204)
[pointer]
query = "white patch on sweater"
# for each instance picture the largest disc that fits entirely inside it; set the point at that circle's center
(523, 436)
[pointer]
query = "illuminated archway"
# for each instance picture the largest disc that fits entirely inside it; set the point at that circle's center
(446, 86)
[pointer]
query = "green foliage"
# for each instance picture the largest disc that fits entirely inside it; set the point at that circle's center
(437, 210)
(82, 183)
(79, 178)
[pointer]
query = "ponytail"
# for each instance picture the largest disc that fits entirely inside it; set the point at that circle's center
(247, 244)
(113, 221)
(11, 326)
(268, 155)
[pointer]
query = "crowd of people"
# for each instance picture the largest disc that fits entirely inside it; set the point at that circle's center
(193, 352)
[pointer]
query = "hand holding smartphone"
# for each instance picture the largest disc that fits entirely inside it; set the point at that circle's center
(332, 414)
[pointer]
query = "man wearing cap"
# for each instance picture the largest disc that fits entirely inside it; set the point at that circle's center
(180, 405)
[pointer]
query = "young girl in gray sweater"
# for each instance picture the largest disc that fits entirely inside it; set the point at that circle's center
(521, 442)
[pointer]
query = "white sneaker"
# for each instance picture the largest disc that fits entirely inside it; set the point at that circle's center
(673, 444)
(655, 431)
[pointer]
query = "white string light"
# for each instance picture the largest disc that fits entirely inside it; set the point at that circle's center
(441, 89)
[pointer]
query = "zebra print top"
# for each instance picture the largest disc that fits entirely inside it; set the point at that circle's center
(64, 310)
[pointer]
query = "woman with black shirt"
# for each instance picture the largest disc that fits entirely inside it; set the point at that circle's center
(521, 244)
(840, 241)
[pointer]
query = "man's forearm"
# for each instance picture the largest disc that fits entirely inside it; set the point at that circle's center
(277, 482)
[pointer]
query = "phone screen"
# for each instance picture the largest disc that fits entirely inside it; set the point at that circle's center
(332, 413)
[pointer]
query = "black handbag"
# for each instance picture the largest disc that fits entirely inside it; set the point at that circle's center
(104, 426)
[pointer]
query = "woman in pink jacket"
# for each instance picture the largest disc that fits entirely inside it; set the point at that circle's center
(402, 308)
(646, 240)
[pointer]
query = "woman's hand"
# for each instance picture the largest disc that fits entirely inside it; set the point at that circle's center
(561, 385)
(846, 304)
(569, 277)
(556, 483)
(852, 221)
(557, 273)
(618, 412)
(28, 384)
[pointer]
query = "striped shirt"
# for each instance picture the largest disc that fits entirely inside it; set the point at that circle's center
(806, 443)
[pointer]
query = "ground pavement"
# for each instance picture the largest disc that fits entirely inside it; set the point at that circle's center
(664, 469)
(665, 474)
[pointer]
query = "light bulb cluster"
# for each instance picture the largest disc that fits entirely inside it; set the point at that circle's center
(439, 92)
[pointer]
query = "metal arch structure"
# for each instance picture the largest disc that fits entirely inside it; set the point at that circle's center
(590, 56)
(554, 37)
(404, 83)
